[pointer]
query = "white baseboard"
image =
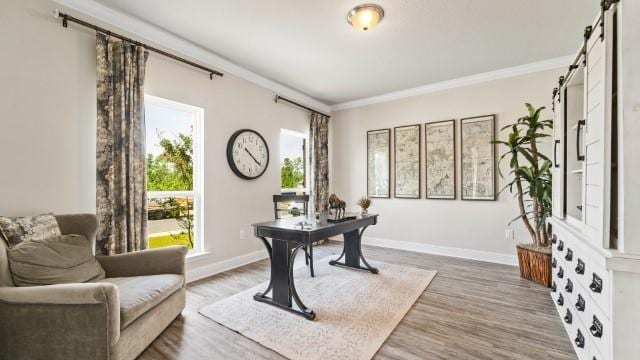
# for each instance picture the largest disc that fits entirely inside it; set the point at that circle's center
(440, 250)
(204, 271)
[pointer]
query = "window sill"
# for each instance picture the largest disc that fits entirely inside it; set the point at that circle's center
(191, 257)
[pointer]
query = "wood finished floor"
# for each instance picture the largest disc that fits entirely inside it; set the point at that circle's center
(471, 310)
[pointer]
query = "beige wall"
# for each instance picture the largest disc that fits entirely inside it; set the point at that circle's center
(48, 116)
(47, 135)
(473, 225)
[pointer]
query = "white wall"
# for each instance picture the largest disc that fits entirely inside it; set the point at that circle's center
(48, 119)
(478, 227)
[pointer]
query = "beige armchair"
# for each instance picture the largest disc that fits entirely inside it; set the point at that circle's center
(115, 318)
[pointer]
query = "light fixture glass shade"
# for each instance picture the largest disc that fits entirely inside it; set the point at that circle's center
(365, 17)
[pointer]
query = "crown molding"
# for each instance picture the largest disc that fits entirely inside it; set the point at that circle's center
(152, 33)
(550, 64)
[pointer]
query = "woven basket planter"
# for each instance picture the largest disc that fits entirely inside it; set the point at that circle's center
(535, 265)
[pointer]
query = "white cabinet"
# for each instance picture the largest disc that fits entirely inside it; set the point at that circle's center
(596, 271)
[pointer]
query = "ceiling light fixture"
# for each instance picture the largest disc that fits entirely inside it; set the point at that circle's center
(365, 17)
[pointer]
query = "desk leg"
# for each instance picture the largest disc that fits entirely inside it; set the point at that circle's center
(352, 251)
(282, 282)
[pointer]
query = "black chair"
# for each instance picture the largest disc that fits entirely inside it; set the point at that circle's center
(304, 200)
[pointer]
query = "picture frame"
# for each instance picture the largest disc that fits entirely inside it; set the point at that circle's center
(440, 160)
(379, 163)
(478, 158)
(407, 156)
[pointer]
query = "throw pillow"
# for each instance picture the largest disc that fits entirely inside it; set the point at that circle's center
(58, 260)
(16, 230)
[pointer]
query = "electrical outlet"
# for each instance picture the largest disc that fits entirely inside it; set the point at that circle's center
(243, 236)
(508, 234)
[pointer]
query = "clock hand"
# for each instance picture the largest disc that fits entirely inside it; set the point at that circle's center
(253, 157)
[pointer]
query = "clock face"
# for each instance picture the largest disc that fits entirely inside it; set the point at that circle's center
(247, 154)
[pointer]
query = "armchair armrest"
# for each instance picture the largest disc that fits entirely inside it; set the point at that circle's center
(66, 321)
(167, 260)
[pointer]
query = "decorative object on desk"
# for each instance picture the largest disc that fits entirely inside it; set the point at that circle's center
(378, 163)
(304, 225)
(406, 170)
(533, 179)
(364, 204)
(337, 205)
(247, 154)
(440, 154)
(478, 158)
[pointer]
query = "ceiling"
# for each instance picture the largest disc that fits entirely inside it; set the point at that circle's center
(308, 45)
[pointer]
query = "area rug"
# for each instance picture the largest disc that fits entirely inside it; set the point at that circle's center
(355, 311)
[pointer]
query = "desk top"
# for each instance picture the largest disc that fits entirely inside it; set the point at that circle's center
(291, 229)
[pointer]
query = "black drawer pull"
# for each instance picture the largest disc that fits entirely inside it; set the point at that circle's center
(560, 245)
(554, 239)
(554, 263)
(560, 300)
(579, 340)
(580, 267)
(596, 284)
(580, 304)
(560, 273)
(554, 287)
(568, 317)
(596, 327)
(569, 255)
(569, 286)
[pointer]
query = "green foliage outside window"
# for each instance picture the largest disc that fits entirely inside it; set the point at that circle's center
(292, 173)
(172, 170)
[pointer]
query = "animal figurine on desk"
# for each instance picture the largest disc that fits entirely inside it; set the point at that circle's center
(339, 205)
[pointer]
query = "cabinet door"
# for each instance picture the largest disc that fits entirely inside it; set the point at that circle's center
(597, 134)
(558, 172)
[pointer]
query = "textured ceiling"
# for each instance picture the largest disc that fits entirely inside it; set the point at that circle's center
(309, 46)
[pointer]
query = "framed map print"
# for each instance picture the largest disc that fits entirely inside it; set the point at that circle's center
(378, 163)
(406, 166)
(440, 153)
(478, 158)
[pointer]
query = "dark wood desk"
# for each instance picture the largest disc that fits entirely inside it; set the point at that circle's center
(287, 238)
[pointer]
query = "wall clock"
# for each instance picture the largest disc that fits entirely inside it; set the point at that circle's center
(247, 154)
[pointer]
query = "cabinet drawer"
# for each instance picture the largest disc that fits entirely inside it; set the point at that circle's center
(599, 330)
(580, 339)
(582, 303)
(580, 270)
(560, 275)
(599, 286)
(595, 354)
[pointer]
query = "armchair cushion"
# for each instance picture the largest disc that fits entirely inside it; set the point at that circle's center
(139, 294)
(58, 260)
(166, 260)
(15, 230)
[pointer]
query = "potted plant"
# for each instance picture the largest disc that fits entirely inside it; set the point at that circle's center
(364, 204)
(530, 182)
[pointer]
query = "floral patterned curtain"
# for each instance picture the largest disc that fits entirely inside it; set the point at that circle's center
(121, 199)
(319, 160)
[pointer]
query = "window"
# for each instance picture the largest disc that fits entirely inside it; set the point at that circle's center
(174, 195)
(293, 164)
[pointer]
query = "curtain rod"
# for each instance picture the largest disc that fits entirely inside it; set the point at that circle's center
(66, 18)
(278, 97)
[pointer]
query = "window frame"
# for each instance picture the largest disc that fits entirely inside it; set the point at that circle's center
(197, 193)
(305, 162)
